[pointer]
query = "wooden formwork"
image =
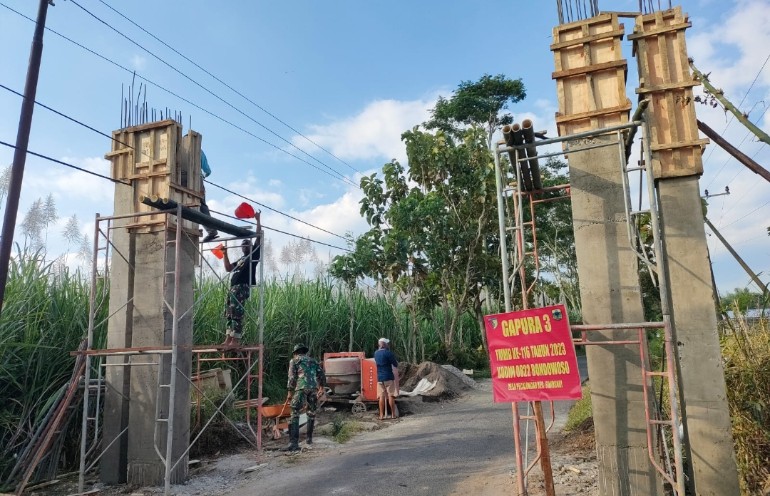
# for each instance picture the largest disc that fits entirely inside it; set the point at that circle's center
(590, 74)
(665, 79)
(158, 162)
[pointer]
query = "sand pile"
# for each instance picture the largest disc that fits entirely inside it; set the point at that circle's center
(448, 384)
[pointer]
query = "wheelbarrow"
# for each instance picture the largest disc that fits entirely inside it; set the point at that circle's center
(272, 415)
(271, 418)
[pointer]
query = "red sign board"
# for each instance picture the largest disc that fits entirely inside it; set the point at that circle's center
(532, 355)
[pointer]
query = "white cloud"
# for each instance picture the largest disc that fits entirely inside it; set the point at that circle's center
(374, 133)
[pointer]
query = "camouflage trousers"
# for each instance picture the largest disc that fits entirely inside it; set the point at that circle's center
(236, 300)
(298, 400)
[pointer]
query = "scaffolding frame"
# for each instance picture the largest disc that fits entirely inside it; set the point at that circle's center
(103, 228)
(654, 421)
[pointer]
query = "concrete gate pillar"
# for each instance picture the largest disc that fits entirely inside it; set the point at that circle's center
(155, 160)
(676, 151)
(591, 85)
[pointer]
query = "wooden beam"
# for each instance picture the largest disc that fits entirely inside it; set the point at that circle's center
(619, 33)
(590, 68)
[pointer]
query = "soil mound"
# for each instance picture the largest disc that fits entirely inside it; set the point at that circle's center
(448, 384)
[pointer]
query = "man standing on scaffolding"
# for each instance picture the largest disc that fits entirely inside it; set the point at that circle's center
(244, 275)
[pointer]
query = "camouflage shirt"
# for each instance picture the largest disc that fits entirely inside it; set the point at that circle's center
(305, 373)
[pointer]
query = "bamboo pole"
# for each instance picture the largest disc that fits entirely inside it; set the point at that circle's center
(719, 95)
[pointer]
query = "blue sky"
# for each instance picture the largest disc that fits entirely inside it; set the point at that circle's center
(351, 76)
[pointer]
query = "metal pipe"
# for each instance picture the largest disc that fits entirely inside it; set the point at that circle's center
(665, 306)
(174, 353)
(736, 153)
(503, 241)
(89, 345)
(20, 152)
(187, 213)
(584, 134)
(638, 113)
(534, 167)
(517, 139)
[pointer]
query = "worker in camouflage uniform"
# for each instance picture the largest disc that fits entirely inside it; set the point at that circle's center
(244, 275)
(306, 381)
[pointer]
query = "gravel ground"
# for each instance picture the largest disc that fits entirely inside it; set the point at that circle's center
(456, 447)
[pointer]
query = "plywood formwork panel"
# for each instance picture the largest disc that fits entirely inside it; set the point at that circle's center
(590, 74)
(665, 80)
(158, 162)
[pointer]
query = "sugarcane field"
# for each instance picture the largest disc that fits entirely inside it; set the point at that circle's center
(391, 248)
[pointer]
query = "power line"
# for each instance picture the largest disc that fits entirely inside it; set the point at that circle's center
(732, 117)
(745, 137)
(272, 209)
(284, 232)
(207, 90)
(129, 146)
(226, 85)
(51, 159)
(746, 215)
(176, 95)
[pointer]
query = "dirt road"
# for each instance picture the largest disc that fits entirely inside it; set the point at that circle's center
(458, 447)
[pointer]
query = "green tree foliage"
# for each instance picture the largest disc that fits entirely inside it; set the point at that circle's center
(426, 241)
(478, 103)
(744, 299)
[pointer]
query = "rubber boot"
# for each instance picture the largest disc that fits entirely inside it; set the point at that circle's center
(293, 437)
(310, 426)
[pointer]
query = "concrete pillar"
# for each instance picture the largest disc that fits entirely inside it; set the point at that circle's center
(702, 384)
(159, 162)
(610, 293)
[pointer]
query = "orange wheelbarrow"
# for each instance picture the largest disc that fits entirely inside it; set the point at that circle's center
(271, 418)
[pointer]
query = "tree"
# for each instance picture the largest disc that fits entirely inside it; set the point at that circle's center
(477, 103)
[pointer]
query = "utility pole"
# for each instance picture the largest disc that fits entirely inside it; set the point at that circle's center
(744, 265)
(22, 141)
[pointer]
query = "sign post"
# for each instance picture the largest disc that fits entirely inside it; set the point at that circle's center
(532, 358)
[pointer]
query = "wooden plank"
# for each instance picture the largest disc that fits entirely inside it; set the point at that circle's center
(587, 115)
(658, 31)
(680, 144)
(587, 69)
(668, 86)
(618, 33)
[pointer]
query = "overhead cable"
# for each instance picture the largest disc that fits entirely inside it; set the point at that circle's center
(129, 146)
(226, 85)
(51, 159)
(207, 90)
(272, 209)
(172, 93)
(284, 232)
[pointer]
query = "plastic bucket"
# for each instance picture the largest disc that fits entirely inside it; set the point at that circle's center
(244, 211)
(218, 251)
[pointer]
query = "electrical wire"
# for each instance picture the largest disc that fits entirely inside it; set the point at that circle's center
(732, 117)
(207, 90)
(72, 119)
(227, 85)
(283, 232)
(176, 95)
(51, 159)
(272, 209)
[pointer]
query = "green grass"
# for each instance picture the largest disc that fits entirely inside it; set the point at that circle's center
(343, 430)
(580, 411)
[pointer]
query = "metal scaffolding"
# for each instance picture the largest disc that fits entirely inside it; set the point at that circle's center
(513, 199)
(251, 356)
